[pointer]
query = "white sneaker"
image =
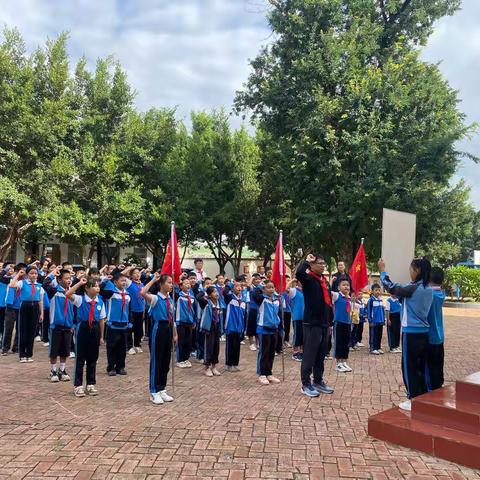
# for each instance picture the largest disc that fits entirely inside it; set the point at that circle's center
(46, 344)
(165, 396)
(79, 392)
(181, 365)
(132, 351)
(359, 344)
(54, 376)
(223, 338)
(380, 351)
(242, 342)
(346, 367)
(29, 359)
(187, 363)
(138, 349)
(216, 372)
(253, 347)
(72, 354)
(263, 380)
(273, 379)
(340, 368)
(208, 372)
(92, 390)
(406, 405)
(156, 398)
(23, 360)
(398, 350)
(38, 338)
(375, 352)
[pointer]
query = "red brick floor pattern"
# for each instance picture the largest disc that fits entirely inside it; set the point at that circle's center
(226, 427)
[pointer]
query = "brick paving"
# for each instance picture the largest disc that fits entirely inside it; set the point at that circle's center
(226, 427)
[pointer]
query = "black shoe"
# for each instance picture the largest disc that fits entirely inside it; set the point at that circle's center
(111, 373)
(122, 371)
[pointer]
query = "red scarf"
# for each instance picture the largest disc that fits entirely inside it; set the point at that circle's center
(91, 314)
(169, 311)
(189, 303)
(65, 309)
(323, 283)
(32, 286)
(124, 299)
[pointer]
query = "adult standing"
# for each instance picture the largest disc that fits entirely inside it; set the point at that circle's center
(339, 275)
(317, 322)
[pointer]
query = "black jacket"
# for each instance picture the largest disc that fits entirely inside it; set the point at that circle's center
(317, 311)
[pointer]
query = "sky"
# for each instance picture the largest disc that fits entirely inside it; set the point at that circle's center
(193, 54)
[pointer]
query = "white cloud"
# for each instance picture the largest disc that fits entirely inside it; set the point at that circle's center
(193, 54)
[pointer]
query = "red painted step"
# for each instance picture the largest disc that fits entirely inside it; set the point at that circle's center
(442, 408)
(468, 389)
(397, 426)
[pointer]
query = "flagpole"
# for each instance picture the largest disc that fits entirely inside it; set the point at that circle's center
(172, 229)
(281, 305)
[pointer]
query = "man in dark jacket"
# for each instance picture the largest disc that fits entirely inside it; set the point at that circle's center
(340, 275)
(317, 322)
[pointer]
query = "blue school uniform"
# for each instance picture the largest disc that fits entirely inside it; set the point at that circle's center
(341, 309)
(61, 310)
(375, 311)
(185, 309)
(117, 311)
(161, 308)
(137, 302)
(297, 304)
(29, 294)
(235, 317)
(436, 335)
(395, 305)
(83, 304)
(268, 319)
(211, 314)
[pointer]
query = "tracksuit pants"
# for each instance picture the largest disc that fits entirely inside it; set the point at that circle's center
(27, 325)
(357, 333)
(135, 334)
(2, 319)
(212, 345)
(87, 343)
(11, 320)
(434, 370)
(232, 349)
(185, 336)
(414, 362)
(160, 342)
(266, 353)
(116, 340)
(376, 333)
(287, 321)
(341, 340)
(315, 342)
(393, 331)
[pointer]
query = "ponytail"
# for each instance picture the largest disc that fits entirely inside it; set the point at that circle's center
(424, 268)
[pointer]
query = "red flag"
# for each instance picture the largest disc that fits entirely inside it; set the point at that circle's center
(171, 263)
(358, 272)
(279, 267)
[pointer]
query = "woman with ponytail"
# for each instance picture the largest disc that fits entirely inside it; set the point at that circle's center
(416, 298)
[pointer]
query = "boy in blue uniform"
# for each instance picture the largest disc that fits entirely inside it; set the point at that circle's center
(268, 323)
(357, 328)
(253, 311)
(31, 310)
(137, 310)
(117, 306)
(297, 302)
(376, 319)
(89, 332)
(163, 334)
(61, 322)
(436, 336)
(287, 315)
(393, 311)
(3, 297)
(234, 325)
(12, 305)
(185, 322)
(212, 325)
(341, 325)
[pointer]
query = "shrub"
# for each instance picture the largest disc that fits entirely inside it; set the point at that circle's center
(467, 279)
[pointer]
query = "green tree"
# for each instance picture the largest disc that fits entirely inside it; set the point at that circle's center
(356, 120)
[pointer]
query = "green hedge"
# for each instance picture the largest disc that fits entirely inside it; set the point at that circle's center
(467, 279)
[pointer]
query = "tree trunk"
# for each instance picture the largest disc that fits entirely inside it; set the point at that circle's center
(99, 253)
(9, 242)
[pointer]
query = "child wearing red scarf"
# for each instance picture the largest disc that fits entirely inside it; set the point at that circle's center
(88, 333)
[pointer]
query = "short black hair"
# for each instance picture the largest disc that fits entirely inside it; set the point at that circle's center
(196, 260)
(20, 266)
(240, 278)
(318, 256)
(66, 263)
(191, 274)
(63, 272)
(93, 271)
(256, 275)
(210, 290)
(376, 285)
(437, 276)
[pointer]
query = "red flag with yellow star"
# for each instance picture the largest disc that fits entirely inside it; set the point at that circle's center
(358, 271)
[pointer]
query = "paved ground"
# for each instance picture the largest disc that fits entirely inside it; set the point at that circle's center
(227, 427)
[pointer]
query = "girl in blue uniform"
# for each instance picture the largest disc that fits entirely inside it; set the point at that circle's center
(31, 310)
(234, 325)
(341, 325)
(163, 336)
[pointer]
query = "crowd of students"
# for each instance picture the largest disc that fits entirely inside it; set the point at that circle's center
(74, 312)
